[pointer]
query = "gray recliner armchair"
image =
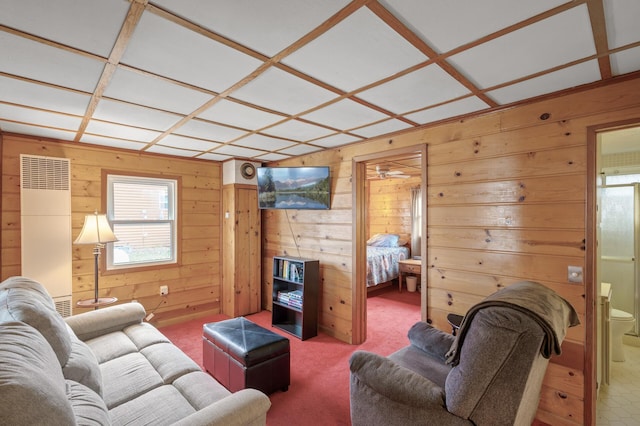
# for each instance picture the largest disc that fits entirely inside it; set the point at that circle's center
(491, 373)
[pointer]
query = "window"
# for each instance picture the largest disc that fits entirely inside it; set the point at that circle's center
(416, 220)
(620, 175)
(142, 212)
(622, 179)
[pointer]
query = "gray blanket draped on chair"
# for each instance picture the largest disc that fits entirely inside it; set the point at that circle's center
(542, 304)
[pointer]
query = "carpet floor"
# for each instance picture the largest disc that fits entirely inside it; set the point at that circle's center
(319, 390)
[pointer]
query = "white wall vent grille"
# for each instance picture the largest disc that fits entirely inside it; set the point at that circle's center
(45, 173)
(45, 226)
(63, 306)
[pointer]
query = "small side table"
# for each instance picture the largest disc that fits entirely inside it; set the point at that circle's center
(408, 266)
(92, 303)
(454, 321)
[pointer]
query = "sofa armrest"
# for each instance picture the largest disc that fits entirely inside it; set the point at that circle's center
(92, 324)
(246, 407)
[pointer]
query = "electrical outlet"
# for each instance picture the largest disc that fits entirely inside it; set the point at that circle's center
(164, 290)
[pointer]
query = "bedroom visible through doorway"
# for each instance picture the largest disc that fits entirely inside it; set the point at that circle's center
(383, 234)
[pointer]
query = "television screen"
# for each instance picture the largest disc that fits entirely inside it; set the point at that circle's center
(294, 188)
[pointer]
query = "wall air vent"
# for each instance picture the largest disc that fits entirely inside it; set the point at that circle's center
(45, 173)
(45, 226)
(63, 306)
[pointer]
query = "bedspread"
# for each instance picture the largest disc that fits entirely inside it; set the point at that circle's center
(382, 263)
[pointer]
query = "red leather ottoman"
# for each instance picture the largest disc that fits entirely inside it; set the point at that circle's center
(241, 354)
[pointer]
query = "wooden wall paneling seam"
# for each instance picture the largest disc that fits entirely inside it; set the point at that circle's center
(525, 240)
(481, 285)
(514, 142)
(533, 164)
(525, 190)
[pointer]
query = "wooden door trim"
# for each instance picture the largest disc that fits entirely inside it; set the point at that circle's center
(590, 272)
(359, 215)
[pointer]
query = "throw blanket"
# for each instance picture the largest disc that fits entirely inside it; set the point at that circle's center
(546, 307)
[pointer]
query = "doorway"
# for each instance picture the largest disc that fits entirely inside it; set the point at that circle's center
(613, 217)
(361, 170)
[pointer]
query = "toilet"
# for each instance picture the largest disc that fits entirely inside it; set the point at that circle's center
(621, 322)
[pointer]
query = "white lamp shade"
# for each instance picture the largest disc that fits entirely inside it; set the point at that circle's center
(96, 230)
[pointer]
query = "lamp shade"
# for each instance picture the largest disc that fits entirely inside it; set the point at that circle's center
(96, 230)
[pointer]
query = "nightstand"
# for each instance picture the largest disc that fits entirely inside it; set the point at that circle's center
(409, 266)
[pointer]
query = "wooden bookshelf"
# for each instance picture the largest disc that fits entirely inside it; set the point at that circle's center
(295, 296)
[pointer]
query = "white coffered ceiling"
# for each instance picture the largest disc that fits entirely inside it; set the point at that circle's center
(267, 80)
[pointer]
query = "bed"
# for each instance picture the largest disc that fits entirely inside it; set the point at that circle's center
(384, 251)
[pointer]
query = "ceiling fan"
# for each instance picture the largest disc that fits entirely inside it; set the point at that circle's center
(383, 172)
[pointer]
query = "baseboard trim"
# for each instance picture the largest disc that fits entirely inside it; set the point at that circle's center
(631, 340)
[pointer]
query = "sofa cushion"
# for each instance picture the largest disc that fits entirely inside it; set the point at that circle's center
(127, 377)
(32, 387)
(82, 365)
(414, 359)
(87, 406)
(161, 406)
(22, 299)
(110, 346)
(36, 290)
(144, 334)
(200, 390)
(169, 361)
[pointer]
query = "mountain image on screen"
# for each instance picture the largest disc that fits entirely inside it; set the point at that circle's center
(294, 188)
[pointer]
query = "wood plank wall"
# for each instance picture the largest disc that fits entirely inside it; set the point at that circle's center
(389, 210)
(194, 286)
(506, 202)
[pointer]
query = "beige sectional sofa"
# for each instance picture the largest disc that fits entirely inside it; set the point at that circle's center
(103, 367)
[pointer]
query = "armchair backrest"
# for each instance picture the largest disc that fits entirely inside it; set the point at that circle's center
(490, 373)
(500, 371)
(502, 351)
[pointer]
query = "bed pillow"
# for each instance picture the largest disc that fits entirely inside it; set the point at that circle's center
(384, 240)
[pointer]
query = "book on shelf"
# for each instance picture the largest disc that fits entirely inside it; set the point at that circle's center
(290, 298)
(288, 270)
(294, 274)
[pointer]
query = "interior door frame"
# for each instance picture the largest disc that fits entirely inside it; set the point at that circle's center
(359, 248)
(591, 266)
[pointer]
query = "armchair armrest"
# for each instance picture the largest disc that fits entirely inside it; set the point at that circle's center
(246, 407)
(106, 320)
(384, 393)
(394, 382)
(430, 340)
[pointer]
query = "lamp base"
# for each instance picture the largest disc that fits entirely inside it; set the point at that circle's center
(92, 303)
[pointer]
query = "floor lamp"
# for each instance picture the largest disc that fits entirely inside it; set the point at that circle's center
(96, 230)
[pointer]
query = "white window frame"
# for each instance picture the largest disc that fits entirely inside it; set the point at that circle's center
(172, 218)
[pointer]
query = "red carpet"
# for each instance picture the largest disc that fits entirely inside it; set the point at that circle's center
(319, 390)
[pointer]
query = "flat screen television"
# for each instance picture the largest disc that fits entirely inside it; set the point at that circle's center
(303, 188)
